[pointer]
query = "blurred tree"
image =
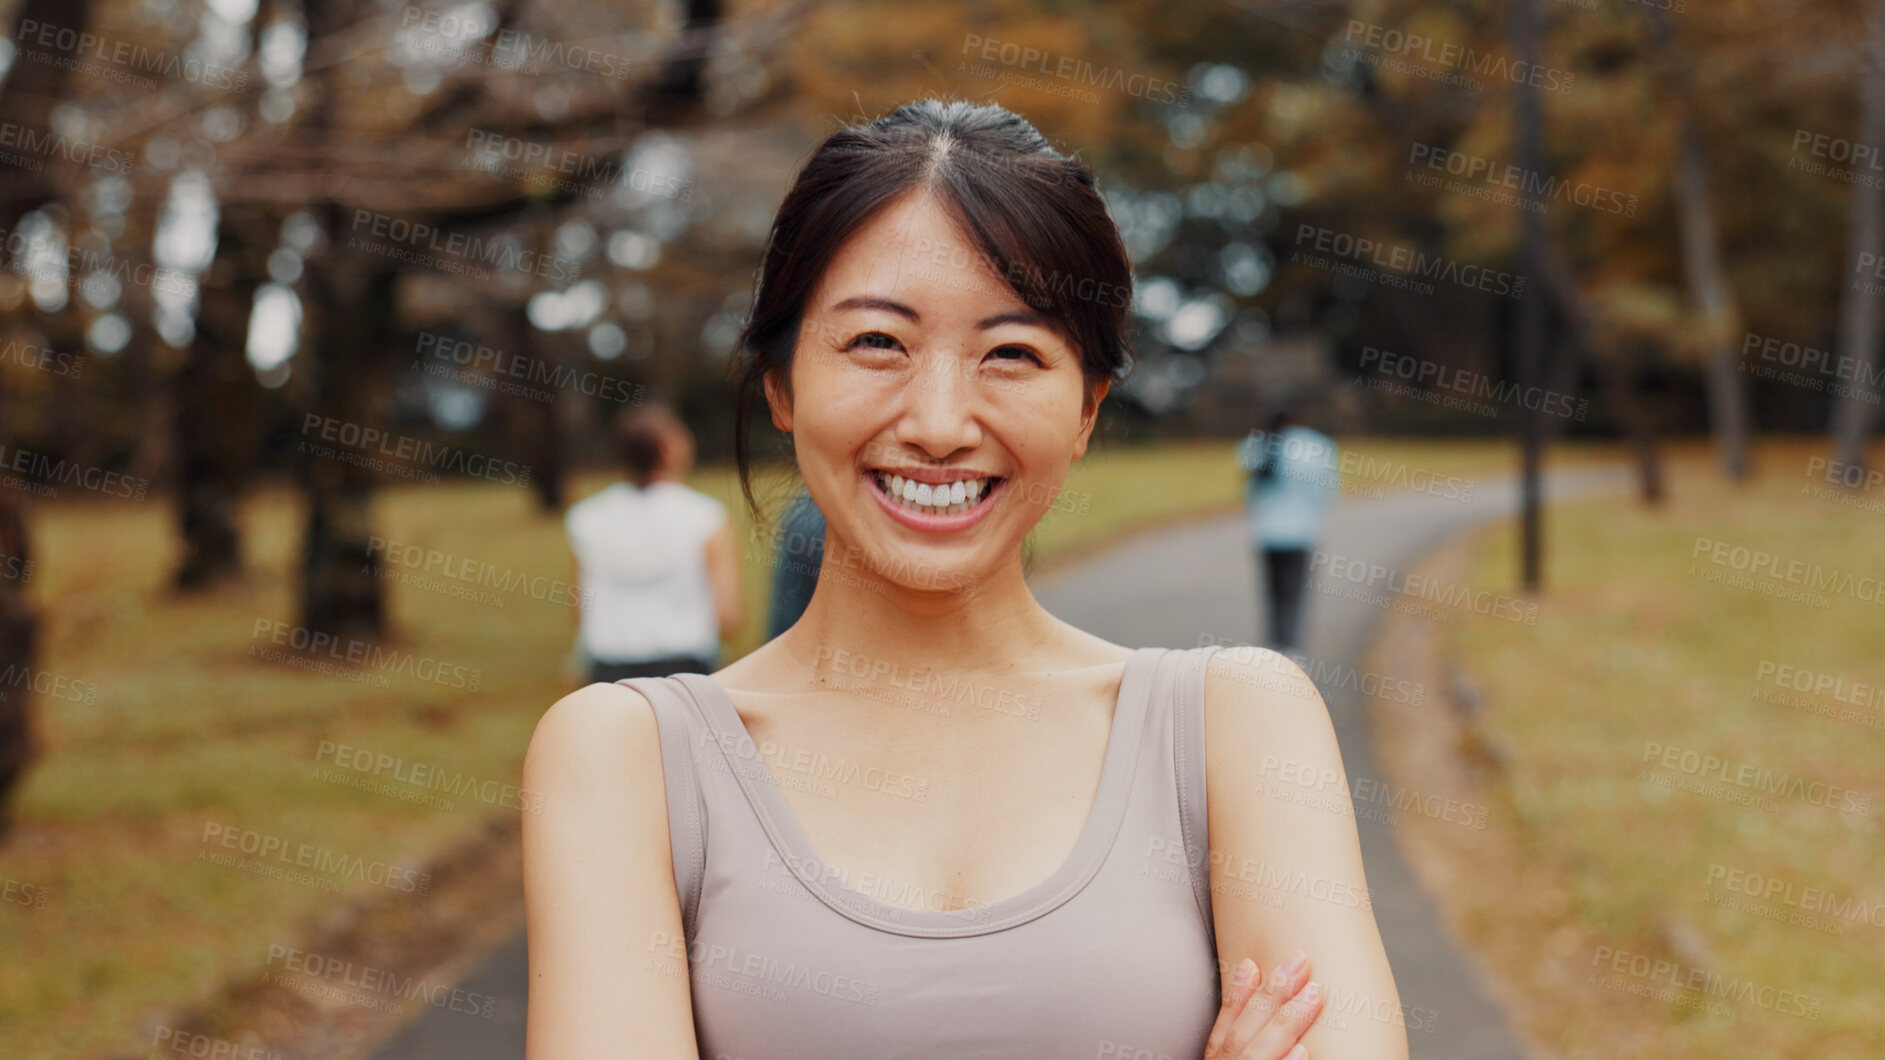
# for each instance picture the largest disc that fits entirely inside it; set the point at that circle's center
(1615, 369)
(213, 400)
(348, 330)
(679, 89)
(1858, 300)
(27, 97)
(1711, 296)
(1529, 336)
(18, 631)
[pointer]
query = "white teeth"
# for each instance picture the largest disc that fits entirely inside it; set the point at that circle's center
(936, 498)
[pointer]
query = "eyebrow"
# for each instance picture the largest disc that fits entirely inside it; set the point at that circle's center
(888, 305)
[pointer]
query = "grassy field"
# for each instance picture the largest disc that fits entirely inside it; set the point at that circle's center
(1642, 647)
(168, 728)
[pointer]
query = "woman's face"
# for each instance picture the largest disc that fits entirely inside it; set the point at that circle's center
(919, 371)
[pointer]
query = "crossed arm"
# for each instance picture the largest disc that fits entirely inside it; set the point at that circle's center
(1286, 870)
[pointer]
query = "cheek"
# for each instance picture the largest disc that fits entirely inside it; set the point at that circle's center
(835, 411)
(1044, 411)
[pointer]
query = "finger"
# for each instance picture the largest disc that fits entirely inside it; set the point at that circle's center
(1281, 985)
(1290, 1023)
(1242, 985)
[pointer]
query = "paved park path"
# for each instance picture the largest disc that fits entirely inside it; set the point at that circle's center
(1175, 588)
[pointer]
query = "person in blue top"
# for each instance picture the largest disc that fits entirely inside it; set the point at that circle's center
(1294, 476)
(795, 572)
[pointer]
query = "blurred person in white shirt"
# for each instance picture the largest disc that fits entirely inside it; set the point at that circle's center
(657, 568)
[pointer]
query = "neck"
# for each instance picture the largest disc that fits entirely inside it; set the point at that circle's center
(951, 623)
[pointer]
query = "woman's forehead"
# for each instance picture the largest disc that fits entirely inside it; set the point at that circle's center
(924, 290)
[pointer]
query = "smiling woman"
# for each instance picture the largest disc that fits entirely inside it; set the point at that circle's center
(844, 844)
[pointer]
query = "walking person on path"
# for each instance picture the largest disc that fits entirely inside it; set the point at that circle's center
(657, 569)
(1294, 475)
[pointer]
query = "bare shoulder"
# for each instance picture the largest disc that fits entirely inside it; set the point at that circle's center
(593, 737)
(607, 952)
(1265, 723)
(1250, 685)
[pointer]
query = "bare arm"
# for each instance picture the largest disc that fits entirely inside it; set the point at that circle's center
(608, 968)
(723, 571)
(1286, 874)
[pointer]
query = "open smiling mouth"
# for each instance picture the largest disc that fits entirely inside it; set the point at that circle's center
(942, 498)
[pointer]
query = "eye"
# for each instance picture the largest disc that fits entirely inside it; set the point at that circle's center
(1016, 353)
(873, 340)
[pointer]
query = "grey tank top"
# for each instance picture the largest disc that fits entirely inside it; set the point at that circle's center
(1112, 955)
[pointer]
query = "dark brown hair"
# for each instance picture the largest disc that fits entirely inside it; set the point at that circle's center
(1035, 213)
(641, 430)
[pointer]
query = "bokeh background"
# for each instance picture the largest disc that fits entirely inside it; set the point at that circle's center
(314, 313)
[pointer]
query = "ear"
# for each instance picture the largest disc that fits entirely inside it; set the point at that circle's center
(1090, 416)
(778, 399)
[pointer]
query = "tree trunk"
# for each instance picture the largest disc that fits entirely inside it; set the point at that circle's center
(1529, 331)
(349, 308)
(214, 399)
(1710, 297)
(1858, 307)
(27, 96)
(680, 86)
(534, 429)
(18, 629)
(1713, 302)
(340, 580)
(1612, 367)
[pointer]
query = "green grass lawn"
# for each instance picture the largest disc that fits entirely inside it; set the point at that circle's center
(180, 728)
(1636, 644)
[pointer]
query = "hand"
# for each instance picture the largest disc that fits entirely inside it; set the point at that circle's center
(1265, 1020)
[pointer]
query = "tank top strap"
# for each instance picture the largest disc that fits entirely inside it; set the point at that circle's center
(683, 730)
(1179, 694)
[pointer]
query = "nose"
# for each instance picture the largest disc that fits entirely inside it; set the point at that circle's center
(941, 411)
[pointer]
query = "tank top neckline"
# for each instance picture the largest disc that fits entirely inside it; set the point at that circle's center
(1096, 840)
